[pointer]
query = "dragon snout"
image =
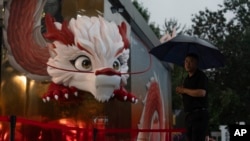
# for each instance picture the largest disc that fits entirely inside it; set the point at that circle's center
(107, 80)
(107, 71)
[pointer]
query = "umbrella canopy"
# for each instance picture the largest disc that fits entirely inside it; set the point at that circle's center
(176, 49)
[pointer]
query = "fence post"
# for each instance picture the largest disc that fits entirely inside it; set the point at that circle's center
(12, 127)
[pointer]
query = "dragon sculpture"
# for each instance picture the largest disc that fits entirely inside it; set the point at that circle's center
(85, 54)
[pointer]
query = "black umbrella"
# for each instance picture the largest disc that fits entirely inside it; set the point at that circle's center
(176, 49)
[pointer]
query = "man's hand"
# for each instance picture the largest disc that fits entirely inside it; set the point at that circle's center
(180, 90)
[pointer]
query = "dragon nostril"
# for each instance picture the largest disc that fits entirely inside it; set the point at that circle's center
(107, 71)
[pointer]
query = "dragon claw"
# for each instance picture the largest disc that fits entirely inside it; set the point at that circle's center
(44, 100)
(66, 96)
(122, 95)
(125, 98)
(56, 97)
(136, 100)
(60, 93)
(75, 93)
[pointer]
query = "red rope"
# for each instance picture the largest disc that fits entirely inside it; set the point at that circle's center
(4, 118)
(137, 72)
(63, 127)
(140, 130)
(41, 124)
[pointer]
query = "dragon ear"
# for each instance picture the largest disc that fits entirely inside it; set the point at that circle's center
(63, 35)
(52, 52)
(123, 32)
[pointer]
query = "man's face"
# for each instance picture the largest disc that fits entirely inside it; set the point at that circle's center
(190, 64)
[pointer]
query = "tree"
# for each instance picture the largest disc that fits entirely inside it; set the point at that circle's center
(229, 87)
(143, 11)
(146, 15)
(172, 23)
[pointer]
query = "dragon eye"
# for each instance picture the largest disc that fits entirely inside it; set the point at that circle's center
(116, 65)
(82, 63)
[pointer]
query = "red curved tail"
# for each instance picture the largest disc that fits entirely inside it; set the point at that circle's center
(26, 46)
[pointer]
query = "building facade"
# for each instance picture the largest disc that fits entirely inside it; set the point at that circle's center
(149, 81)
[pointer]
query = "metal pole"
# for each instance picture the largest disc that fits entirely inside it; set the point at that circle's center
(12, 127)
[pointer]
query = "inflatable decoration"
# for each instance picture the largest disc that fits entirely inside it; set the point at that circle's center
(85, 54)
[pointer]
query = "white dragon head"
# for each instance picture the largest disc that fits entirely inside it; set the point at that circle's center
(89, 53)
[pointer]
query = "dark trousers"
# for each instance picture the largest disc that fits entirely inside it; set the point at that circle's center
(197, 125)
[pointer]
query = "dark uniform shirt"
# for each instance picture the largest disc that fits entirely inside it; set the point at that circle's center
(197, 81)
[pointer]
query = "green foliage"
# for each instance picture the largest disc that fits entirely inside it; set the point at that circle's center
(229, 86)
(177, 77)
(144, 11)
(172, 23)
(156, 29)
(146, 15)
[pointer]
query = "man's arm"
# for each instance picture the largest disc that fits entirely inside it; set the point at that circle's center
(191, 92)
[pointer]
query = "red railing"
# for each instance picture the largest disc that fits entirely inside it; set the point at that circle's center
(21, 129)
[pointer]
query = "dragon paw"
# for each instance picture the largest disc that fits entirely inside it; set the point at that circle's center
(60, 93)
(122, 95)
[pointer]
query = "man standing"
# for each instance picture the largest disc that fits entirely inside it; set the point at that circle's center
(195, 99)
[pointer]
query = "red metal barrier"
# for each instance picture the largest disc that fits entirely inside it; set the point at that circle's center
(49, 131)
